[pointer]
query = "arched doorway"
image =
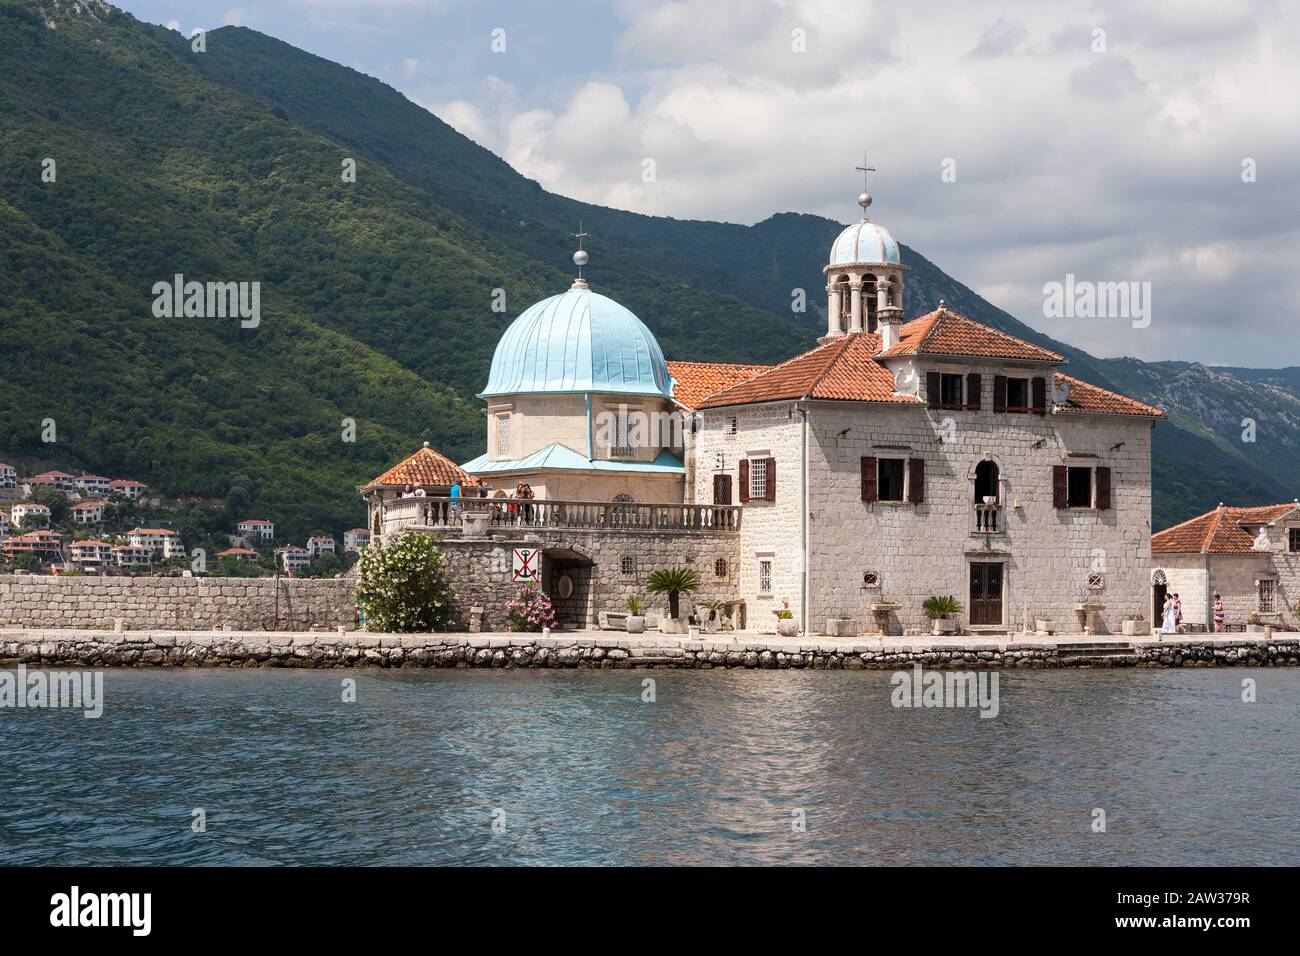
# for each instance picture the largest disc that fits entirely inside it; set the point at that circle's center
(1159, 593)
(566, 578)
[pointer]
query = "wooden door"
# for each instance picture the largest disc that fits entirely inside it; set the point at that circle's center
(986, 593)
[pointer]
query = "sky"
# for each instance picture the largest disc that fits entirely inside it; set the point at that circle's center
(1151, 144)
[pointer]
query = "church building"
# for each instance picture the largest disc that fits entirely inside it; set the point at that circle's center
(891, 462)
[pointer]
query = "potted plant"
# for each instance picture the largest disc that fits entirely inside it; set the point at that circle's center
(937, 609)
(786, 625)
(1253, 623)
(1135, 625)
(673, 582)
(635, 618)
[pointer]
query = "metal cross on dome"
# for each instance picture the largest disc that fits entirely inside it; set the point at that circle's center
(864, 198)
(580, 258)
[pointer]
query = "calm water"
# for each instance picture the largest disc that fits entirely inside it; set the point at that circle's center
(710, 773)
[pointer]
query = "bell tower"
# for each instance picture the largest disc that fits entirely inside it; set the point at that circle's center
(864, 278)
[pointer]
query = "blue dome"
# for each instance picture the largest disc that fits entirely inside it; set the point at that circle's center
(865, 242)
(579, 341)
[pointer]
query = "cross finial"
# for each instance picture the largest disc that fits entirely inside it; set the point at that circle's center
(580, 258)
(864, 197)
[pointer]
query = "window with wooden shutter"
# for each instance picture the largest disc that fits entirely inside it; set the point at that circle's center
(973, 385)
(999, 393)
(722, 489)
(1060, 486)
(869, 492)
(743, 480)
(1103, 489)
(1040, 396)
(932, 386)
(771, 480)
(916, 480)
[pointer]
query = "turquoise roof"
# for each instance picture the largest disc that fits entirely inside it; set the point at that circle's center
(561, 457)
(579, 341)
(865, 242)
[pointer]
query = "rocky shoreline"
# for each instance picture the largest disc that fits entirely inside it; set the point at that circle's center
(83, 648)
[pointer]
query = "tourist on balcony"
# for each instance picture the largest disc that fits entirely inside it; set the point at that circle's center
(527, 495)
(408, 491)
(454, 495)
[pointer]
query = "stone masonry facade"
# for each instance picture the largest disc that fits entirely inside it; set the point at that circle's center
(923, 549)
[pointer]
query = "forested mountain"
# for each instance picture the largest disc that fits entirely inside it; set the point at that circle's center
(377, 294)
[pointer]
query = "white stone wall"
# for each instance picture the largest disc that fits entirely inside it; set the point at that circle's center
(923, 550)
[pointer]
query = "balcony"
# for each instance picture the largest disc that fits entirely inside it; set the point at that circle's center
(988, 519)
(447, 514)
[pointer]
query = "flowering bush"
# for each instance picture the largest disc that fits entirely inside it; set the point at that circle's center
(530, 611)
(404, 586)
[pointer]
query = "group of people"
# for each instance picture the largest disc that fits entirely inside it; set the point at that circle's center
(1171, 615)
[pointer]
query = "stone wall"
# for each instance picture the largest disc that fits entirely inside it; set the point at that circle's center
(926, 549)
(621, 562)
(358, 649)
(183, 603)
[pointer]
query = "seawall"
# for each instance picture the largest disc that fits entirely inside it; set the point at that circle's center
(145, 603)
(165, 648)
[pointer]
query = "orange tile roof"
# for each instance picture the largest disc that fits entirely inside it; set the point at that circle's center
(222, 554)
(842, 369)
(425, 467)
(1095, 400)
(696, 381)
(848, 368)
(944, 332)
(1219, 531)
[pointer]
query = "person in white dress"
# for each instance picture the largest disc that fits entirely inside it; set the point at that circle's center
(1168, 623)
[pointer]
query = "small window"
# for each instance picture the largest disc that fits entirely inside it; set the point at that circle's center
(765, 577)
(503, 435)
(720, 567)
(1096, 581)
(950, 391)
(628, 564)
(1017, 394)
(1293, 539)
(1267, 595)
(732, 426)
(757, 479)
(871, 579)
(1079, 489)
(890, 473)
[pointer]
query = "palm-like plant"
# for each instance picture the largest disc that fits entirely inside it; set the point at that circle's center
(635, 605)
(673, 582)
(940, 607)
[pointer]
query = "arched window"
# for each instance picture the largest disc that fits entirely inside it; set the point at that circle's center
(624, 499)
(986, 481)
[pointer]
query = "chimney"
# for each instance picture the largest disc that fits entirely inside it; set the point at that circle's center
(890, 320)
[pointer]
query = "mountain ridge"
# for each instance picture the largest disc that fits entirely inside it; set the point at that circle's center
(233, 159)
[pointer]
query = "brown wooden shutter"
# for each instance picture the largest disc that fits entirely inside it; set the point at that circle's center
(1040, 396)
(1060, 486)
(722, 489)
(999, 393)
(870, 484)
(1103, 489)
(973, 386)
(771, 480)
(743, 479)
(916, 480)
(932, 389)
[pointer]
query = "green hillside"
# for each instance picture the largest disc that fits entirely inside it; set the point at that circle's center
(376, 295)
